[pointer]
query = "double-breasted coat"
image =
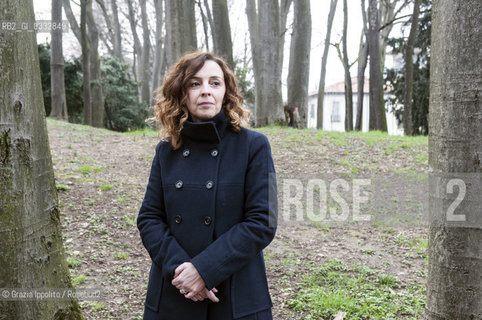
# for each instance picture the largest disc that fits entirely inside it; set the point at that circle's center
(211, 202)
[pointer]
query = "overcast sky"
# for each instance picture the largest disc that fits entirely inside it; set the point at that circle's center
(238, 20)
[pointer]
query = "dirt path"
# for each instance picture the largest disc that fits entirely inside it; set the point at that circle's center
(102, 175)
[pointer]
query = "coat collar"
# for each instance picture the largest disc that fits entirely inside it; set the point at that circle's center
(211, 130)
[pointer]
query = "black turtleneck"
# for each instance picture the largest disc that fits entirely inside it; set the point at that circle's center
(210, 130)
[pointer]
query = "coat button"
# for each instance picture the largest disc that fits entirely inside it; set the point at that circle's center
(186, 153)
(207, 220)
(209, 184)
(177, 219)
(214, 152)
(179, 184)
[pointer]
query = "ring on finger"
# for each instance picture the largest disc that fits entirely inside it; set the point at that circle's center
(183, 292)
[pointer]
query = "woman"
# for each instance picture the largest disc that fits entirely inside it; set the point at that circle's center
(207, 214)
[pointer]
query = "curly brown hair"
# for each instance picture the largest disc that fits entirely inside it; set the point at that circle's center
(171, 108)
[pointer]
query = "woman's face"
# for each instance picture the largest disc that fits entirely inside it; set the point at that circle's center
(205, 93)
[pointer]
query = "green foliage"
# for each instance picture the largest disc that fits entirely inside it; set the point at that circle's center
(72, 262)
(395, 78)
(87, 169)
(78, 279)
(62, 187)
(122, 110)
(243, 74)
(73, 83)
(106, 186)
(359, 291)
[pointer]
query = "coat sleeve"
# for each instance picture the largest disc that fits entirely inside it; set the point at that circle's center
(156, 236)
(244, 241)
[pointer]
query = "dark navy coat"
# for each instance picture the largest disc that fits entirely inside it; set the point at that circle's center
(211, 202)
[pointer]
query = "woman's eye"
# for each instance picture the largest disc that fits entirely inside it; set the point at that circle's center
(216, 83)
(194, 84)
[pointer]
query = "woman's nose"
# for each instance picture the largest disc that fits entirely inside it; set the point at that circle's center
(206, 89)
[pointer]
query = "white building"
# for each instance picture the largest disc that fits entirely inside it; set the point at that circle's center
(334, 109)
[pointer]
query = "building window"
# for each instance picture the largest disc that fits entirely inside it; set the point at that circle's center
(312, 111)
(335, 111)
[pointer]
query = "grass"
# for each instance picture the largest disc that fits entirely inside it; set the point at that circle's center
(359, 291)
(85, 169)
(121, 255)
(78, 279)
(62, 187)
(106, 186)
(147, 131)
(72, 262)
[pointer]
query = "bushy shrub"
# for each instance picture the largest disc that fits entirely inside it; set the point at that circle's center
(123, 112)
(73, 83)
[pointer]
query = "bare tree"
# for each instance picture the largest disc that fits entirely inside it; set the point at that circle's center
(32, 253)
(321, 86)
(97, 94)
(361, 66)
(57, 84)
(378, 119)
(454, 285)
(74, 26)
(264, 29)
(223, 44)
(159, 53)
(180, 29)
(137, 52)
(209, 18)
(205, 22)
(84, 41)
(117, 47)
(389, 13)
(283, 17)
(408, 57)
(299, 65)
(346, 67)
(145, 61)
(108, 38)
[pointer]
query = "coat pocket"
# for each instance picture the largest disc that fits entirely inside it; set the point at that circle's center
(154, 288)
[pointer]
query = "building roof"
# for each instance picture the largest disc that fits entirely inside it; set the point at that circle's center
(339, 87)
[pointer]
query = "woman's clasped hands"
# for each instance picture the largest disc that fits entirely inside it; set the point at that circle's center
(191, 285)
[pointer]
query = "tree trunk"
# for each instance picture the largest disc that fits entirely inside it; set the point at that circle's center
(205, 23)
(454, 286)
(97, 94)
(210, 19)
(108, 41)
(264, 29)
(388, 14)
(117, 48)
(408, 57)
(188, 26)
(159, 53)
(321, 86)
(137, 43)
(74, 26)
(173, 46)
(283, 16)
(32, 253)
(346, 67)
(85, 61)
(180, 29)
(222, 31)
(57, 85)
(146, 48)
(377, 109)
(362, 64)
(299, 65)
